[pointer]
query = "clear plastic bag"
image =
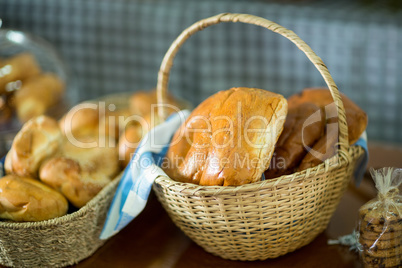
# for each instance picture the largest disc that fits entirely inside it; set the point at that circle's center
(380, 222)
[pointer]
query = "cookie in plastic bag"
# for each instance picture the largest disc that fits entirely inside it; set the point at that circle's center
(380, 221)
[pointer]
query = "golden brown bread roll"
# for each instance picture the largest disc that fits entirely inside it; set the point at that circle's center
(326, 146)
(26, 199)
(80, 173)
(82, 120)
(141, 103)
(38, 139)
(356, 118)
(113, 123)
(129, 142)
(228, 139)
(304, 125)
(5, 110)
(322, 150)
(85, 120)
(37, 94)
(131, 137)
(19, 67)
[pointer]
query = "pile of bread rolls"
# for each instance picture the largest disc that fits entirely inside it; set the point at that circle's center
(52, 164)
(232, 138)
(304, 145)
(25, 88)
(237, 135)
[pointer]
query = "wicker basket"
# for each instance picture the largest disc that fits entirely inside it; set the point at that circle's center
(65, 240)
(265, 219)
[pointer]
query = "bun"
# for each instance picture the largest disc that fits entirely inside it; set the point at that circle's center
(304, 125)
(323, 149)
(141, 103)
(82, 120)
(356, 118)
(114, 123)
(129, 142)
(37, 140)
(326, 146)
(5, 109)
(80, 173)
(26, 199)
(214, 146)
(19, 67)
(86, 120)
(37, 95)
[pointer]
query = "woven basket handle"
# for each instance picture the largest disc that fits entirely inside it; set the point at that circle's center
(167, 63)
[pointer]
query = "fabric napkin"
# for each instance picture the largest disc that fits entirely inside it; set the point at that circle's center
(2, 172)
(361, 166)
(132, 193)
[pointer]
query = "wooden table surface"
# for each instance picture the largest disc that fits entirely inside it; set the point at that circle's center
(152, 240)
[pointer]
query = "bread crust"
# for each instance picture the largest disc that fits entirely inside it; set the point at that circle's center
(81, 120)
(26, 199)
(228, 139)
(113, 123)
(326, 146)
(129, 142)
(37, 95)
(356, 118)
(141, 103)
(38, 139)
(21, 67)
(304, 125)
(80, 173)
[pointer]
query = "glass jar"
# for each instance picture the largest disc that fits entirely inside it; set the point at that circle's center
(28, 60)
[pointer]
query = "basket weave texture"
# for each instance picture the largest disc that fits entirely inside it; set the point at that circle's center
(57, 242)
(61, 241)
(266, 219)
(261, 220)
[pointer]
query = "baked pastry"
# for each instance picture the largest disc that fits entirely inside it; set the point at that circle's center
(27, 199)
(326, 146)
(113, 123)
(141, 103)
(228, 139)
(380, 233)
(86, 119)
(356, 118)
(380, 227)
(144, 105)
(37, 94)
(38, 139)
(304, 125)
(81, 121)
(323, 149)
(394, 261)
(133, 134)
(19, 67)
(129, 142)
(386, 253)
(80, 173)
(5, 110)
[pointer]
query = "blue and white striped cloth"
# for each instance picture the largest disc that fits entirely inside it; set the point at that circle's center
(361, 164)
(135, 185)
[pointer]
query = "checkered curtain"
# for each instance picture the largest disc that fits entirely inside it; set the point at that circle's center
(117, 46)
